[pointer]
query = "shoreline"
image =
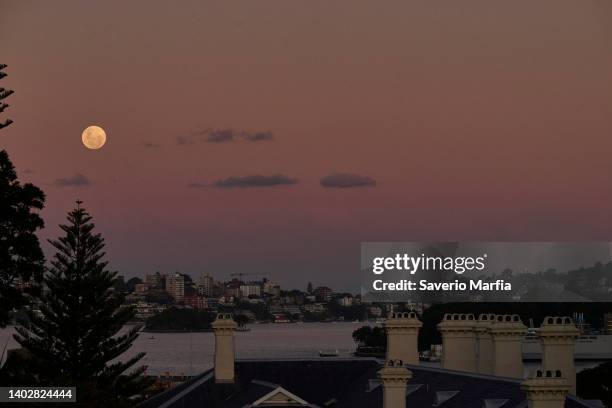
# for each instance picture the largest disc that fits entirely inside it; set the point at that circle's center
(175, 331)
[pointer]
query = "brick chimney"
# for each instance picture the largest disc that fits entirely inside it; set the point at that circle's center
(394, 377)
(546, 389)
(458, 342)
(484, 343)
(224, 327)
(508, 332)
(402, 337)
(558, 338)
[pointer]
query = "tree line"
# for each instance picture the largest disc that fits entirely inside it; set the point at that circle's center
(73, 331)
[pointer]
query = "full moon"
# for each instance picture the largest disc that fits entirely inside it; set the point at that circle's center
(94, 137)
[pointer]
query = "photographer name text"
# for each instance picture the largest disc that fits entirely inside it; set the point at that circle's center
(424, 285)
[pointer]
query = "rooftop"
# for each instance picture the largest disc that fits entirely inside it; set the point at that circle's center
(342, 383)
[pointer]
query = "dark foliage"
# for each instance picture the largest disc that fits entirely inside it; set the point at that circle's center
(78, 339)
(21, 259)
(596, 383)
(371, 337)
(348, 313)
(119, 284)
(130, 285)
(260, 310)
(158, 296)
(174, 319)
(241, 319)
(4, 93)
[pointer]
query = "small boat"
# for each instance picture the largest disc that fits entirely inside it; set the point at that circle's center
(366, 351)
(152, 338)
(328, 353)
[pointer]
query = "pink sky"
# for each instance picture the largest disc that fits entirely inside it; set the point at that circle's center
(479, 119)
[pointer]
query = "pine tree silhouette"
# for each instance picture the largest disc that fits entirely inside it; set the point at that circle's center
(77, 338)
(21, 259)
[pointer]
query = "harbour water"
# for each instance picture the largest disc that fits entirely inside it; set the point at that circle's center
(191, 353)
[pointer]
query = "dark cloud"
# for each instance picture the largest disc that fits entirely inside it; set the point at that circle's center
(219, 135)
(346, 180)
(224, 136)
(78, 180)
(150, 145)
(258, 136)
(255, 181)
(185, 140)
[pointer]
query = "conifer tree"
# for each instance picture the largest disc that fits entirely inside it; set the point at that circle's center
(77, 339)
(21, 259)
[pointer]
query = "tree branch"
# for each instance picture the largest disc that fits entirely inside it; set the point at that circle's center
(6, 123)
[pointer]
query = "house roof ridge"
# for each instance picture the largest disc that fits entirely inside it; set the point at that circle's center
(464, 373)
(265, 383)
(313, 359)
(197, 382)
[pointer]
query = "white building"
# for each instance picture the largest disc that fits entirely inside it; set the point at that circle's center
(250, 289)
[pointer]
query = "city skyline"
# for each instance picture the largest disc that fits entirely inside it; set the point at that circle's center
(275, 138)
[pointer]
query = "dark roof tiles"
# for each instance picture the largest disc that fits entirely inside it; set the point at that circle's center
(347, 382)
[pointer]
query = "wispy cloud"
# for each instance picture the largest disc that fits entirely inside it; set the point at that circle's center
(185, 140)
(224, 136)
(219, 135)
(197, 185)
(346, 180)
(78, 180)
(258, 136)
(257, 181)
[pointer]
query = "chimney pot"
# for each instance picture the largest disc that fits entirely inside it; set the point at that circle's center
(507, 332)
(394, 376)
(484, 343)
(224, 328)
(458, 342)
(558, 336)
(402, 337)
(545, 390)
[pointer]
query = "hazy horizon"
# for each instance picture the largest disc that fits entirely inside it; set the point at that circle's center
(402, 121)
